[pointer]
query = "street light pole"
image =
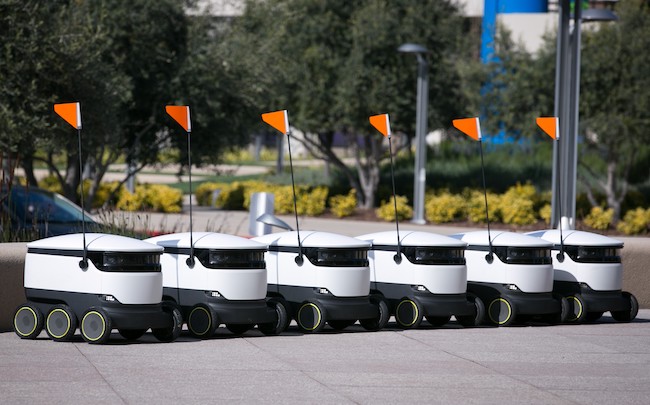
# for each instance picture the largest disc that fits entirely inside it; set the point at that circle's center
(567, 99)
(420, 176)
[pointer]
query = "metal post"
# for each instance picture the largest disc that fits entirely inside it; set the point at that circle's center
(420, 175)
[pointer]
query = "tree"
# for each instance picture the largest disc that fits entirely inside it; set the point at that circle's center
(614, 97)
(332, 64)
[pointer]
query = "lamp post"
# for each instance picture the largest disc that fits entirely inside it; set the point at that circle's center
(420, 129)
(567, 98)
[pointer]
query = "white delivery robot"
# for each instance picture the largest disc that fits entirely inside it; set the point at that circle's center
(323, 279)
(589, 273)
(225, 283)
(513, 276)
(114, 283)
(428, 279)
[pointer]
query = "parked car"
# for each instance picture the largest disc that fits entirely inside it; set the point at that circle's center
(34, 213)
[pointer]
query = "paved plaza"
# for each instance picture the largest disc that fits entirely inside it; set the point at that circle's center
(605, 363)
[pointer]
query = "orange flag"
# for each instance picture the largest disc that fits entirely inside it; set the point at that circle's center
(278, 120)
(70, 112)
(469, 126)
(180, 114)
(381, 123)
(550, 125)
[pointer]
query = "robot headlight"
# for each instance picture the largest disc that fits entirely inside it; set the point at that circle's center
(594, 254)
(126, 261)
(338, 257)
(524, 255)
(434, 255)
(232, 259)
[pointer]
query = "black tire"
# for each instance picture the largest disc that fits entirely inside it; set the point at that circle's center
(131, 334)
(593, 316)
(172, 332)
(479, 312)
(96, 326)
(577, 309)
(239, 328)
(381, 320)
(438, 320)
(627, 316)
(408, 314)
(311, 317)
(558, 317)
(28, 321)
(61, 323)
(340, 324)
(282, 320)
(501, 312)
(202, 322)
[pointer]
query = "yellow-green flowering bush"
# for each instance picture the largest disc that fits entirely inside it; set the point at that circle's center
(203, 193)
(344, 205)
(444, 207)
(518, 205)
(476, 206)
(313, 202)
(386, 210)
(51, 183)
(599, 218)
(545, 213)
(152, 197)
(634, 222)
(231, 196)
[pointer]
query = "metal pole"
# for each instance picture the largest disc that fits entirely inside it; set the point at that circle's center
(420, 135)
(571, 155)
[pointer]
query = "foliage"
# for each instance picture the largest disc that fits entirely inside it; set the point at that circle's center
(545, 213)
(635, 222)
(315, 56)
(386, 210)
(444, 207)
(476, 206)
(343, 205)
(599, 218)
(151, 197)
(518, 205)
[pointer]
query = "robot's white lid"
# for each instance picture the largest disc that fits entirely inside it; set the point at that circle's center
(576, 238)
(412, 238)
(501, 238)
(206, 240)
(311, 239)
(95, 242)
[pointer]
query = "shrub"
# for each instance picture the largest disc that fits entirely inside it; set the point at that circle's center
(386, 210)
(156, 197)
(313, 203)
(518, 205)
(203, 193)
(634, 222)
(344, 205)
(599, 218)
(476, 206)
(545, 213)
(445, 207)
(255, 186)
(51, 183)
(231, 196)
(284, 198)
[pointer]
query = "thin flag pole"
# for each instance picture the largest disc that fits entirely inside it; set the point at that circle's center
(551, 125)
(381, 122)
(84, 263)
(190, 260)
(299, 258)
(398, 255)
(487, 215)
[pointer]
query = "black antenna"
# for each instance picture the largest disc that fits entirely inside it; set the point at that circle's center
(490, 255)
(398, 255)
(83, 264)
(299, 259)
(190, 260)
(560, 256)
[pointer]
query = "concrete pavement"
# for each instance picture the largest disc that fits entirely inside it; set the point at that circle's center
(601, 363)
